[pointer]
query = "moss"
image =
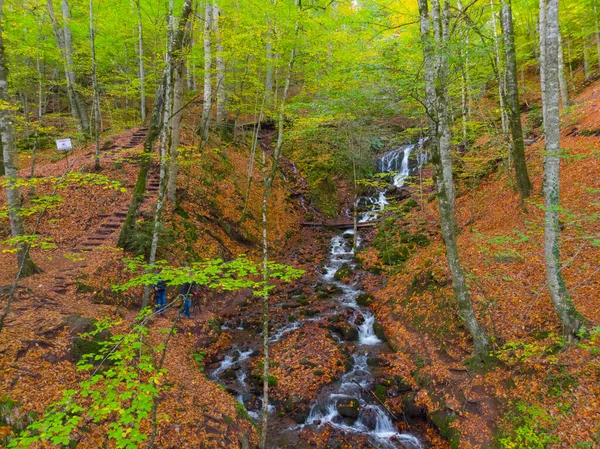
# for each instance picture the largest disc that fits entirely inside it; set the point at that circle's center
(380, 331)
(364, 299)
(83, 346)
(380, 391)
(443, 421)
(343, 272)
(80, 287)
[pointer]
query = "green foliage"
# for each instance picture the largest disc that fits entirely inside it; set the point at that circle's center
(199, 359)
(33, 241)
(119, 396)
(532, 427)
(215, 274)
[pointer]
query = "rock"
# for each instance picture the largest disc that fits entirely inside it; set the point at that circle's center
(379, 331)
(300, 416)
(410, 409)
(375, 361)
(82, 346)
(229, 373)
(351, 334)
(79, 324)
(348, 408)
(369, 417)
(343, 272)
(364, 299)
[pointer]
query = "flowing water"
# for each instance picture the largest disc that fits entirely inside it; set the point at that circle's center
(370, 418)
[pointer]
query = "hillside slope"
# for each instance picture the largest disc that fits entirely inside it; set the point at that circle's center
(543, 391)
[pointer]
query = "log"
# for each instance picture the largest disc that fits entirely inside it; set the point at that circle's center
(348, 225)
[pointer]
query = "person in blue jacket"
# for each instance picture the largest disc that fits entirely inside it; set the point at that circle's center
(187, 290)
(160, 294)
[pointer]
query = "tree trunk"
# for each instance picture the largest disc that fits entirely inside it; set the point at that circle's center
(564, 86)
(10, 161)
(565, 308)
(78, 101)
(96, 101)
(207, 104)
(597, 34)
(437, 104)
(175, 131)
(512, 100)
(499, 77)
(587, 66)
(220, 65)
(141, 70)
(154, 128)
(164, 145)
(265, 307)
(542, 31)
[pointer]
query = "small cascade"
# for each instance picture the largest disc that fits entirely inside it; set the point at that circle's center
(348, 404)
(349, 407)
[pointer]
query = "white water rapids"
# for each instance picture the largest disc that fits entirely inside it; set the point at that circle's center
(372, 419)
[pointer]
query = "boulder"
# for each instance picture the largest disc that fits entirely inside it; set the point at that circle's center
(348, 408)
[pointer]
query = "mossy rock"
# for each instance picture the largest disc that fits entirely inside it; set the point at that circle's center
(323, 295)
(80, 287)
(343, 272)
(380, 391)
(443, 421)
(379, 331)
(410, 409)
(364, 299)
(82, 346)
(302, 300)
(351, 334)
(348, 408)
(375, 361)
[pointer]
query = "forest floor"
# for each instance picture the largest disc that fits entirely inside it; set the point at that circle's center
(543, 390)
(540, 384)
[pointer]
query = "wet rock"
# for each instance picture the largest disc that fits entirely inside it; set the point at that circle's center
(375, 361)
(368, 417)
(300, 416)
(351, 334)
(334, 443)
(343, 272)
(229, 373)
(379, 331)
(348, 408)
(364, 299)
(411, 410)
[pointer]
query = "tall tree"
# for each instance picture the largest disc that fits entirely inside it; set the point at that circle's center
(178, 92)
(435, 31)
(220, 67)
(512, 102)
(570, 318)
(10, 160)
(155, 127)
(64, 42)
(141, 69)
(96, 102)
(207, 98)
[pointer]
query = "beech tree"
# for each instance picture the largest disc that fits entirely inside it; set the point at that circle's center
(435, 36)
(25, 265)
(570, 318)
(512, 101)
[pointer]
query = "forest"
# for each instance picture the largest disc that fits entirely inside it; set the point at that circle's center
(300, 224)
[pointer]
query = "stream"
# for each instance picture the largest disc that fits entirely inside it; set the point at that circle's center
(330, 406)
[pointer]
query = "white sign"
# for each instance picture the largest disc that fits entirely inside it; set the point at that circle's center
(64, 145)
